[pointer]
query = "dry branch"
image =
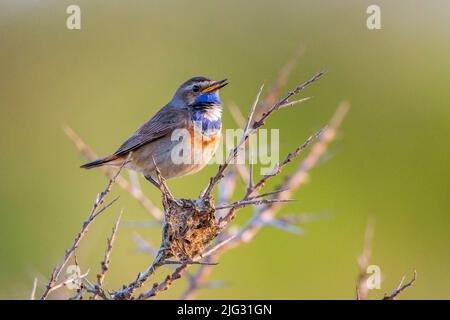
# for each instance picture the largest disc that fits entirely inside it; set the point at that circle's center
(251, 128)
(96, 210)
(276, 88)
(164, 285)
(401, 287)
(107, 259)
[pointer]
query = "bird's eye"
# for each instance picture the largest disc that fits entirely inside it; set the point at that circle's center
(196, 88)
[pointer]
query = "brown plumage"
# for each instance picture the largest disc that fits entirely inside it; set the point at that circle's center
(161, 124)
(152, 143)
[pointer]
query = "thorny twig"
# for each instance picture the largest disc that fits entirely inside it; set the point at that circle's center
(107, 259)
(165, 284)
(96, 210)
(250, 128)
(275, 89)
(127, 291)
(401, 287)
(243, 203)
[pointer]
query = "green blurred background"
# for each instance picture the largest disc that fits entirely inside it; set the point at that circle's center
(391, 159)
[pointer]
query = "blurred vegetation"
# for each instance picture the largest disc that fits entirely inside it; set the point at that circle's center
(391, 161)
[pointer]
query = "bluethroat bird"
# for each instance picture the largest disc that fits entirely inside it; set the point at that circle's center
(195, 108)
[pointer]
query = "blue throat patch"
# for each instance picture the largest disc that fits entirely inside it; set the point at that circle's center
(200, 117)
(202, 105)
(208, 98)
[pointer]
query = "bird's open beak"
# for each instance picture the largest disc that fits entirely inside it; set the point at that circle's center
(216, 86)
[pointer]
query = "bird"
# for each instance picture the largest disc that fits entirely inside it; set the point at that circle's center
(180, 139)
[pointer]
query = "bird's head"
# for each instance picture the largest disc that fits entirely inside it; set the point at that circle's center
(200, 92)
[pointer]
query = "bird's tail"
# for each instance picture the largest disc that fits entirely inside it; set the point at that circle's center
(99, 162)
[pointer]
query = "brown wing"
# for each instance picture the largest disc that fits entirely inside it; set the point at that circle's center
(162, 123)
